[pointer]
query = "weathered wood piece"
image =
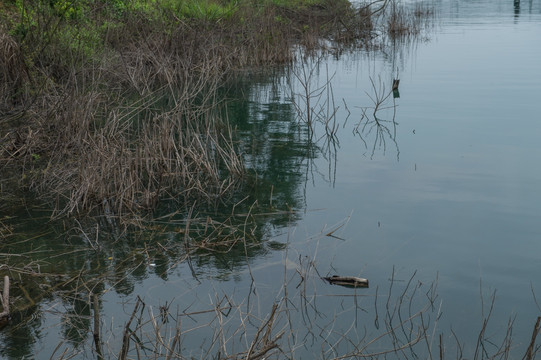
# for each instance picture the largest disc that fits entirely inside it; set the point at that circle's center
(347, 281)
(4, 315)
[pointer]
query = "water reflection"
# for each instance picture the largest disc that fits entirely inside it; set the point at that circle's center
(18, 341)
(51, 290)
(373, 124)
(54, 282)
(491, 10)
(277, 148)
(54, 275)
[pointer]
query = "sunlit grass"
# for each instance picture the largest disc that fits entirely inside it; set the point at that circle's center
(205, 9)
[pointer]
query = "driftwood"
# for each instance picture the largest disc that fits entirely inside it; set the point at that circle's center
(4, 299)
(347, 281)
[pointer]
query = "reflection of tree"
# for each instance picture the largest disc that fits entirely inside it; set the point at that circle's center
(59, 272)
(76, 321)
(17, 341)
(276, 147)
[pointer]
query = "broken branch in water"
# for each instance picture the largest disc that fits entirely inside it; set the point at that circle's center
(347, 281)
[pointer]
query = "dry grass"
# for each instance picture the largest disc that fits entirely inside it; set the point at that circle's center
(13, 72)
(133, 159)
(402, 20)
(138, 119)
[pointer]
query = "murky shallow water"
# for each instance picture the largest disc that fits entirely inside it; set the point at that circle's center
(450, 193)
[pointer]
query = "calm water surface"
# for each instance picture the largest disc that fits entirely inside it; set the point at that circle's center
(449, 192)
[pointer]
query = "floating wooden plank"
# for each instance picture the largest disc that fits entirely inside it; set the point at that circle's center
(347, 281)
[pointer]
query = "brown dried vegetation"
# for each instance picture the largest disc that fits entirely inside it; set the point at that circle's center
(115, 120)
(13, 72)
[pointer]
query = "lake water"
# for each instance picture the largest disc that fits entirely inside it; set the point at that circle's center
(446, 194)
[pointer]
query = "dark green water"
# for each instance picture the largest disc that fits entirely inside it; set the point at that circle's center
(448, 193)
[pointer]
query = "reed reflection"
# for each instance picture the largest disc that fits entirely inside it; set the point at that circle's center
(377, 125)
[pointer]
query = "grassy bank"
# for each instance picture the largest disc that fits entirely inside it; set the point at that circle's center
(111, 105)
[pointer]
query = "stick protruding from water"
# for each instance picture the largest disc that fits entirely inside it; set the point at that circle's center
(4, 315)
